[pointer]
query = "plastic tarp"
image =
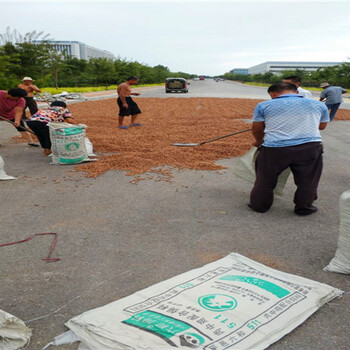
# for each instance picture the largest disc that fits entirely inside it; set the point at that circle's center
(14, 334)
(341, 261)
(245, 169)
(233, 303)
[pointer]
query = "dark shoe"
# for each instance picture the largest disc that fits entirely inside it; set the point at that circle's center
(258, 211)
(304, 212)
(33, 144)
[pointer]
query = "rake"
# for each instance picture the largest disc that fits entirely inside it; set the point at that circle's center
(211, 140)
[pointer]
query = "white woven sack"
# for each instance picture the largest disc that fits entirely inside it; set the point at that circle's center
(14, 334)
(3, 175)
(341, 261)
(233, 303)
(245, 169)
(68, 143)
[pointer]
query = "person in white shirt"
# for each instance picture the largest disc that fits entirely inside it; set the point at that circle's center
(293, 79)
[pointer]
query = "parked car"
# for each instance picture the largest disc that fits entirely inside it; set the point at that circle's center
(176, 85)
(195, 79)
(202, 77)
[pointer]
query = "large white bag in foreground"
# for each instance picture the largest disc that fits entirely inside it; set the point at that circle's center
(13, 332)
(341, 262)
(233, 303)
(245, 169)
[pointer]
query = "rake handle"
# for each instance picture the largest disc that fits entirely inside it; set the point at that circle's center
(224, 136)
(45, 100)
(20, 127)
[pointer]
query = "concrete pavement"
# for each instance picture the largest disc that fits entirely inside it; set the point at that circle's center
(226, 89)
(116, 238)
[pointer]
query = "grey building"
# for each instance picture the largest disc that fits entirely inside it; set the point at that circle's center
(79, 50)
(280, 66)
(244, 71)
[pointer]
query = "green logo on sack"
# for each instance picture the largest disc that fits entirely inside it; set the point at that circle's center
(217, 302)
(73, 146)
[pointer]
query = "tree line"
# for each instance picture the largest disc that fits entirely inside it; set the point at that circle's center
(53, 69)
(335, 75)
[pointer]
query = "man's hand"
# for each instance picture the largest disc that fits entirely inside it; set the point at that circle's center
(257, 144)
(16, 124)
(258, 131)
(125, 105)
(136, 94)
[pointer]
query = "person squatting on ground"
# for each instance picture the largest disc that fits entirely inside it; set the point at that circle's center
(287, 130)
(293, 79)
(12, 104)
(333, 97)
(57, 113)
(127, 106)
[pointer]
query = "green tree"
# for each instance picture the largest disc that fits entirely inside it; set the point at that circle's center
(74, 67)
(103, 70)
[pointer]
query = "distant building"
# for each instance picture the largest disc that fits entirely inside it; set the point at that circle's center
(79, 50)
(240, 71)
(278, 67)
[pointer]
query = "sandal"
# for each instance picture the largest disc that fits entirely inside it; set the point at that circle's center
(33, 144)
(136, 124)
(123, 127)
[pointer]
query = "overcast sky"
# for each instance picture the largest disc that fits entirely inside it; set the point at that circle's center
(195, 37)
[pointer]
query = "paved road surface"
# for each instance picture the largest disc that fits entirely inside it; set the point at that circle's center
(206, 88)
(116, 238)
(224, 89)
(210, 88)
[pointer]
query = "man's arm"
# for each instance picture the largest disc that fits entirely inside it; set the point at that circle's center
(35, 88)
(258, 131)
(323, 95)
(323, 126)
(18, 115)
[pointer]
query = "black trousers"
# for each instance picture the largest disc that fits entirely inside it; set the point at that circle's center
(42, 132)
(305, 162)
(31, 104)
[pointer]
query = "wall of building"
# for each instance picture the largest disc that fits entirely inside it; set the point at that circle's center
(80, 50)
(280, 66)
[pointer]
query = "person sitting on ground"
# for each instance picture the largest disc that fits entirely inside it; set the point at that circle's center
(293, 79)
(333, 97)
(57, 113)
(287, 130)
(11, 107)
(127, 106)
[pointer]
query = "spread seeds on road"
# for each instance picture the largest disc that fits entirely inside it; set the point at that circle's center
(147, 153)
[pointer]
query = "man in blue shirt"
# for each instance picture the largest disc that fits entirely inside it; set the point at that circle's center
(287, 130)
(333, 97)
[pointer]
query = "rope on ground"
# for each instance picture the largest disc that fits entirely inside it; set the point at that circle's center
(52, 247)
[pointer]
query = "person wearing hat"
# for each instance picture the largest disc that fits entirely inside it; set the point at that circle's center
(30, 88)
(333, 97)
(57, 113)
(27, 85)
